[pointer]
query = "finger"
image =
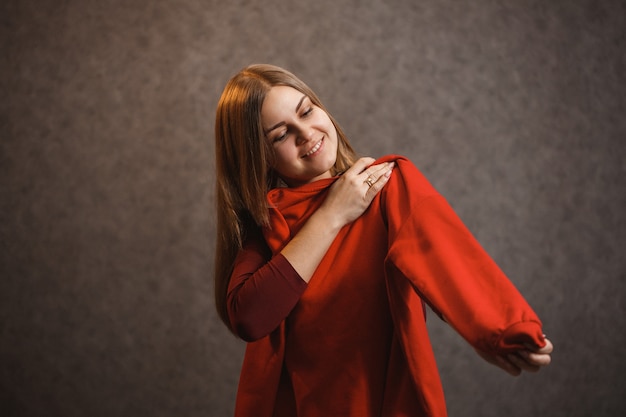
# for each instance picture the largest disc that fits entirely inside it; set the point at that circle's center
(371, 174)
(508, 366)
(538, 359)
(377, 184)
(522, 363)
(376, 172)
(547, 348)
(377, 169)
(360, 165)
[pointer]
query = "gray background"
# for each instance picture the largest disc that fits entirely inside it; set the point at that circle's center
(514, 110)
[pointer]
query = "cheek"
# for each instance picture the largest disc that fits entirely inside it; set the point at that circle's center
(332, 131)
(284, 155)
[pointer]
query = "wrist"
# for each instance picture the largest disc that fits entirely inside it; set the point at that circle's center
(326, 219)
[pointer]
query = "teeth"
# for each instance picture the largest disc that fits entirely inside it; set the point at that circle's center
(314, 149)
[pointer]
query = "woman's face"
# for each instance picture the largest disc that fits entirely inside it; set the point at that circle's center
(302, 135)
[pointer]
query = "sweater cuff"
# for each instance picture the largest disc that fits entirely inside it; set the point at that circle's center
(291, 276)
(520, 334)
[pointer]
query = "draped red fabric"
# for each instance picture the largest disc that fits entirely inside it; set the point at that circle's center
(356, 343)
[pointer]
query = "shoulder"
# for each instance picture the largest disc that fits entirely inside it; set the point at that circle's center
(407, 193)
(406, 177)
(393, 158)
(403, 164)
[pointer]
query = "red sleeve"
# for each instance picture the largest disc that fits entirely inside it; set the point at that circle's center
(262, 291)
(447, 266)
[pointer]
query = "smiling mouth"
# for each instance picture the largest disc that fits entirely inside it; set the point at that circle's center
(314, 149)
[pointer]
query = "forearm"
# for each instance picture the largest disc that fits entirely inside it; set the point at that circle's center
(262, 294)
(263, 291)
(307, 248)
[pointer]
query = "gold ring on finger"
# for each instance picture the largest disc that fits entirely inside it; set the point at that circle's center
(369, 181)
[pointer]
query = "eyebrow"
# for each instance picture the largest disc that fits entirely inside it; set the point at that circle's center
(282, 123)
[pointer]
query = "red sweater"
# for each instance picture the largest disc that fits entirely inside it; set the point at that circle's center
(354, 341)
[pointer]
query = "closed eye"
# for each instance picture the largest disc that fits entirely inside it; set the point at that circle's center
(280, 137)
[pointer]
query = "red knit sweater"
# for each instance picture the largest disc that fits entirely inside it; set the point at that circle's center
(354, 341)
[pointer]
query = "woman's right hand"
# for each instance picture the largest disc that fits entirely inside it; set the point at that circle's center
(347, 199)
(354, 191)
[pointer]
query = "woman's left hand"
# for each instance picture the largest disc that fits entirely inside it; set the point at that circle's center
(531, 359)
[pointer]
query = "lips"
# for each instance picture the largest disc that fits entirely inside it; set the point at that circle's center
(314, 149)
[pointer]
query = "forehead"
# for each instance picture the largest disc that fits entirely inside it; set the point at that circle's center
(281, 98)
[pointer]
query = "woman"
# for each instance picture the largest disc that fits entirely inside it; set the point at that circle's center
(324, 261)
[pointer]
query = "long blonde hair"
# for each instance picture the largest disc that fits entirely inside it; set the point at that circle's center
(244, 160)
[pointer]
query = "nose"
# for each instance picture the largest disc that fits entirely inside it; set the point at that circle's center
(305, 134)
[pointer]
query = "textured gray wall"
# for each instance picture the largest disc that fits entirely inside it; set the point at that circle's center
(515, 112)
